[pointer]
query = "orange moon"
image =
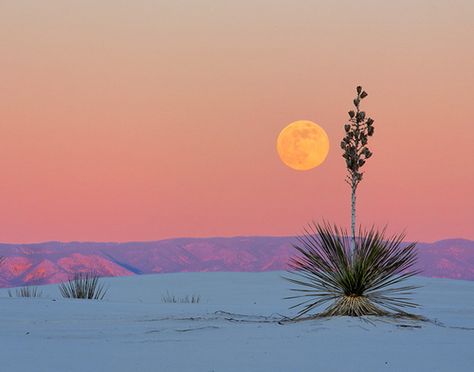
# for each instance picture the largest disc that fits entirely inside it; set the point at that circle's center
(303, 145)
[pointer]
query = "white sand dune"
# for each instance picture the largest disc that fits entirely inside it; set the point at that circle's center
(233, 328)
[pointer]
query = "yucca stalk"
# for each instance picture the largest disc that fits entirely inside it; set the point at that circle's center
(366, 284)
(356, 152)
(84, 286)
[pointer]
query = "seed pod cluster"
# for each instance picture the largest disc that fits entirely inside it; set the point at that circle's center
(354, 144)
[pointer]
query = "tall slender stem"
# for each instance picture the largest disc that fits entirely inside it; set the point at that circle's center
(355, 182)
(353, 219)
(358, 129)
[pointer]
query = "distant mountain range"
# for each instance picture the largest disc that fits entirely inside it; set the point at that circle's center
(52, 262)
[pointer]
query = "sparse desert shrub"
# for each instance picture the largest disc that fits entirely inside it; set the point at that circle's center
(83, 285)
(26, 292)
(366, 285)
(172, 299)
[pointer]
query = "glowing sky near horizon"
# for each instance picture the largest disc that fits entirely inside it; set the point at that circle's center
(141, 120)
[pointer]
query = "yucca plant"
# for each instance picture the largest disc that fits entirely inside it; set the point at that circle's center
(327, 275)
(26, 292)
(83, 285)
(172, 299)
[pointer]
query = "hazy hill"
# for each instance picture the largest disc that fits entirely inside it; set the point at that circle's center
(52, 262)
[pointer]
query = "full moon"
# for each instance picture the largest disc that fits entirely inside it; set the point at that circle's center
(303, 145)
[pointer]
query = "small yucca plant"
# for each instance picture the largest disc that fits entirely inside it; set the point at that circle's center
(83, 285)
(26, 292)
(364, 285)
(172, 299)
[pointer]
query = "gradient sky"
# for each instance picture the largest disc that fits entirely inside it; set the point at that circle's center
(142, 120)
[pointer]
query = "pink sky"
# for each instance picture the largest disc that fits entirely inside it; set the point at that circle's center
(146, 120)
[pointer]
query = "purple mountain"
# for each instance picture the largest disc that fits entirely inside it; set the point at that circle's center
(51, 262)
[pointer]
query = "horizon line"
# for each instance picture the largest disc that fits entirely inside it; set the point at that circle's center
(192, 237)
